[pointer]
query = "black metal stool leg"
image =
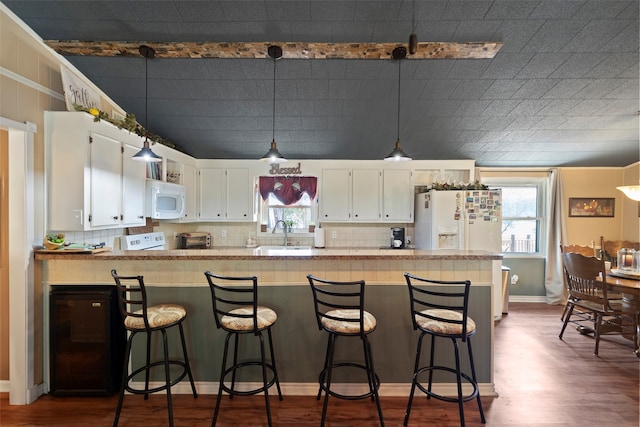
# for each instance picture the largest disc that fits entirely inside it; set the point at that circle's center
(221, 382)
(459, 381)
(324, 368)
(125, 378)
(327, 377)
(264, 378)
(186, 361)
(167, 374)
(148, 365)
(273, 363)
(414, 379)
(475, 380)
(374, 384)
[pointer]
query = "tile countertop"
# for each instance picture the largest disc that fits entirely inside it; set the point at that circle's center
(236, 253)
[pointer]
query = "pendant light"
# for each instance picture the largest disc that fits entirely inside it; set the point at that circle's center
(273, 155)
(146, 155)
(631, 191)
(397, 155)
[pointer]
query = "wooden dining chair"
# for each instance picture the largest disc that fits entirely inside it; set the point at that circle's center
(586, 278)
(610, 248)
(577, 249)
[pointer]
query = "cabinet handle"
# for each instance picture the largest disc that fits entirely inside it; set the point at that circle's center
(115, 218)
(140, 216)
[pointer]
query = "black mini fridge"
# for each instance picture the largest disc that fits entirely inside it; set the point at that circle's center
(87, 341)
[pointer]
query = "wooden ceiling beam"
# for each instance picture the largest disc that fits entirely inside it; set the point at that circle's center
(195, 50)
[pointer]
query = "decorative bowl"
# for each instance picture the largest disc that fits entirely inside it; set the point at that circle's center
(52, 245)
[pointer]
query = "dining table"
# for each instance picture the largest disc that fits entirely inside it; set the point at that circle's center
(628, 285)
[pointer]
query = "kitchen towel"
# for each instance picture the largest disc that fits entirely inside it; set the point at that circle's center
(318, 238)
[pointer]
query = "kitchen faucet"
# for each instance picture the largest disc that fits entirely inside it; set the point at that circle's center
(285, 227)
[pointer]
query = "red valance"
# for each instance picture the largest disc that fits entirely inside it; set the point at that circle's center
(288, 190)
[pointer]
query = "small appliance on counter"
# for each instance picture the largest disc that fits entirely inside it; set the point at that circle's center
(195, 240)
(397, 238)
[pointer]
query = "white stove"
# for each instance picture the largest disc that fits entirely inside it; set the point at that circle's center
(143, 242)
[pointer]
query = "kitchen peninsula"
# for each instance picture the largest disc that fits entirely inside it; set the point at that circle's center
(177, 276)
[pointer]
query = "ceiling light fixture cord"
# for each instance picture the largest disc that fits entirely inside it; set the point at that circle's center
(273, 124)
(399, 64)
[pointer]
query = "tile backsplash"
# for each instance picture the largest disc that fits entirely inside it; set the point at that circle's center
(236, 234)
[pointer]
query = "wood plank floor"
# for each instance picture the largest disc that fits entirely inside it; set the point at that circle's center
(541, 380)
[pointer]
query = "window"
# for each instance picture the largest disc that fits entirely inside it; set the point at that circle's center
(522, 214)
(287, 202)
(298, 216)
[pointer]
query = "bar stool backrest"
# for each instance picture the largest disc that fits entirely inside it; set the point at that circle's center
(132, 297)
(436, 295)
(229, 294)
(331, 299)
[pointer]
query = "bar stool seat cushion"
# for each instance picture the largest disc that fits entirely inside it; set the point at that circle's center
(444, 328)
(266, 317)
(344, 327)
(159, 315)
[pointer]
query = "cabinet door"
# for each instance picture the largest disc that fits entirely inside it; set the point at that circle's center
(189, 182)
(106, 181)
(397, 199)
(210, 194)
(366, 195)
(239, 195)
(335, 195)
(133, 182)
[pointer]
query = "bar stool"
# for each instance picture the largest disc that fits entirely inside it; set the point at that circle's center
(439, 309)
(140, 317)
(236, 310)
(339, 308)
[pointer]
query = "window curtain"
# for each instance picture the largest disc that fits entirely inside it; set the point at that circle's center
(288, 190)
(556, 292)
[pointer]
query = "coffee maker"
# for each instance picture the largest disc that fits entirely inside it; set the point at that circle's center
(397, 237)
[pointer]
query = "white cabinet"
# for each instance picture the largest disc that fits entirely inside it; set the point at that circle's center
(189, 181)
(91, 182)
(335, 195)
(397, 199)
(365, 197)
(224, 195)
(133, 182)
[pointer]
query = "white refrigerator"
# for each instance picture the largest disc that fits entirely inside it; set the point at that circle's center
(465, 220)
(459, 219)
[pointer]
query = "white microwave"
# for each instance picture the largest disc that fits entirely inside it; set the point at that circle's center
(164, 200)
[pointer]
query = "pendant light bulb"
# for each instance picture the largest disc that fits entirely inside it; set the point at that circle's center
(273, 155)
(146, 155)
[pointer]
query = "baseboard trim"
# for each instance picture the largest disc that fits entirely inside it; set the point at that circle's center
(4, 386)
(527, 298)
(311, 389)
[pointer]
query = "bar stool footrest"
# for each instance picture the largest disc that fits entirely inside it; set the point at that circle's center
(159, 363)
(261, 389)
(323, 385)
(425, 390)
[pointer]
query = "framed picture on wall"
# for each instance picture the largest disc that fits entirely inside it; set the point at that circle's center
(591, 207)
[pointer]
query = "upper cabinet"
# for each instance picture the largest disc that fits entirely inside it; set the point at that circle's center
(366, 195)
(335, 195)
(397, 195)
(224, 195)
(92, 183)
